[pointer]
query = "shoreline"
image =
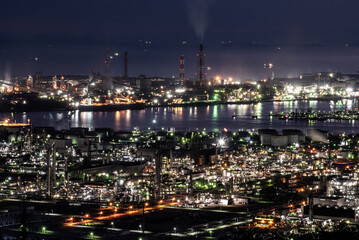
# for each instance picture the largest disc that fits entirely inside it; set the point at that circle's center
(111, 108)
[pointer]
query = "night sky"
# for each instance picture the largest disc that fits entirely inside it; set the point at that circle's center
(71, 37)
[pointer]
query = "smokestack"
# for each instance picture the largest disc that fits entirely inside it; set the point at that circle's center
(107, 62)
(126, 66)
(181, 75)
(201, 73)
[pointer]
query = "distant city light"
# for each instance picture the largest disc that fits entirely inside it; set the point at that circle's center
(180, 90)
(221, 142)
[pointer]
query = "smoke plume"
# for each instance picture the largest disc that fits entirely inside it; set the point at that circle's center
(197, 14)
(8, 72)
(317, 136)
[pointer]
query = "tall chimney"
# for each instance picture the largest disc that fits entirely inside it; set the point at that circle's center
(181, 75)
(107, 62)
(201, 73)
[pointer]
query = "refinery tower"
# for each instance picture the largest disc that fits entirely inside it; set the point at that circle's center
(201, 67)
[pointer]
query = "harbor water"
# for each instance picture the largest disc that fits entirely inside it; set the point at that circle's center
(211, 118)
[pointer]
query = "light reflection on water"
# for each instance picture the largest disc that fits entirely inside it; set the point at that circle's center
(200, 117)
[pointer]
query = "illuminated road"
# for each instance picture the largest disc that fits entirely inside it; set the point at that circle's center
(115, 215)
(205, 229)
(209, 230)
(208, 210)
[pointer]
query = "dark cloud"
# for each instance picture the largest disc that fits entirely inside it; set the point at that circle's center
(86, 28)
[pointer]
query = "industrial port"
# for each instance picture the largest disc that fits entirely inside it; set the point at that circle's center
(198, 119)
